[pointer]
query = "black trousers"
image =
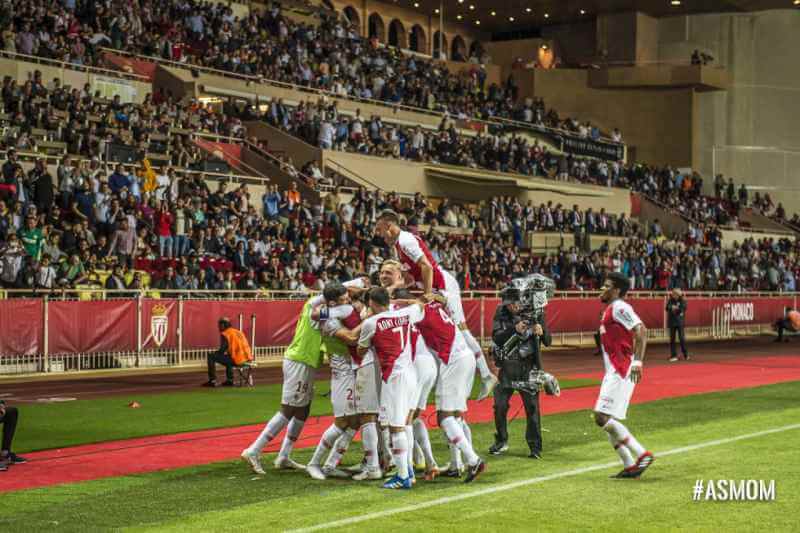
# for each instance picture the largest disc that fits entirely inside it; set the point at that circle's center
(782, 325)
(9, 422)
(681, 337)
(224, 360)
(533, 431)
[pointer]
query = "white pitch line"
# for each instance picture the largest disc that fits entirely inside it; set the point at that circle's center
(525, 482)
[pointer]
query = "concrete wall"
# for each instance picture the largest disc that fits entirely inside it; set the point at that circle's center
(756, 119)
(646, 38)
(616, 36)
(283, 143)
(656, 123)
(410, 177)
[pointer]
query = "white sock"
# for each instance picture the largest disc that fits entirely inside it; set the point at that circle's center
(340, 448)
(326, 443)
(621, 435)
(270, 431)
(292, 434)
(419, 457)
(400, 453)
(369, 439)
(386, 442)
(623, 451)
(483, 366)
(410, 441)
(456, 435)
(466, 429)
(424, 440)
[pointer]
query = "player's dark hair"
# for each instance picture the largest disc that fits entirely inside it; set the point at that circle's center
(333, 291)
(402, 294)
(620, 281)
(389, 216)
(224, 323)
(380, 296)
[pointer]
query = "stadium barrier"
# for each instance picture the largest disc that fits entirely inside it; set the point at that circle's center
(60, 334)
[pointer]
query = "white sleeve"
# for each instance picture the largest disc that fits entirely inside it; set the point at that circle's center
(357, 283)
(410, 246)
(367, 332)
(330, 327)
(625, 315)
(340, 311)
(317, 300)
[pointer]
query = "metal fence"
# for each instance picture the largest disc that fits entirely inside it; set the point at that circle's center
(720, 327)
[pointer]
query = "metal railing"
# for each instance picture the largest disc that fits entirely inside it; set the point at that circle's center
(142, 356)
(95, 293)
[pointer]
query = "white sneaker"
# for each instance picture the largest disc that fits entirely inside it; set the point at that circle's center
(368, 473)
(355, 469)
(487, 386)
(335, 472)
(253, 460)
(315, 472)
(285, 463)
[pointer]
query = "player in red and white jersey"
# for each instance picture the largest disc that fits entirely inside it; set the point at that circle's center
(430, 276)
(388, 333)
(445, 341)
(623, 339)
(425, 365)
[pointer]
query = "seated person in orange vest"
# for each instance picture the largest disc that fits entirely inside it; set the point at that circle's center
(790, 321)
(234, 350)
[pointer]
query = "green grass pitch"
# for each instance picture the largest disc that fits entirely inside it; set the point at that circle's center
(227, 497)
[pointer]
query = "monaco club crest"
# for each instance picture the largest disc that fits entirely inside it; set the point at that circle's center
(159, 324)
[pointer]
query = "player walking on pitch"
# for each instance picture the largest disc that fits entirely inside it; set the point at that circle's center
(623, 339)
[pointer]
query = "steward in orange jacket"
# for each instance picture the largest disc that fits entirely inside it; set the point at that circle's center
(234, 350)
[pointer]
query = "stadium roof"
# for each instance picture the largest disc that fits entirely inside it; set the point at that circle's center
(517, 15)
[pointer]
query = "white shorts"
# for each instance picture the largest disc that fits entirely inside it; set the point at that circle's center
(451, 389)
(343, 392)
(615, 395)
(453, 294)
(425, 365)
(397, 397)
(367, 384)
(298, 383)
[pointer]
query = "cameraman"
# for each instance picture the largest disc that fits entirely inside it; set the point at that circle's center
(515, 363)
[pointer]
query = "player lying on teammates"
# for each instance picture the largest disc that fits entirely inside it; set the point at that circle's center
(430, 276)
(301, 360)
(388, 333)
(623, 339)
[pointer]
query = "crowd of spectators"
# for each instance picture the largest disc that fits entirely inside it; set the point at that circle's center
(328, 55)
(83, 123)
(182, 235)
(321, 124)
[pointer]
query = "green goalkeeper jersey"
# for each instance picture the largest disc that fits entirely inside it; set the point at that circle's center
(306, 346)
